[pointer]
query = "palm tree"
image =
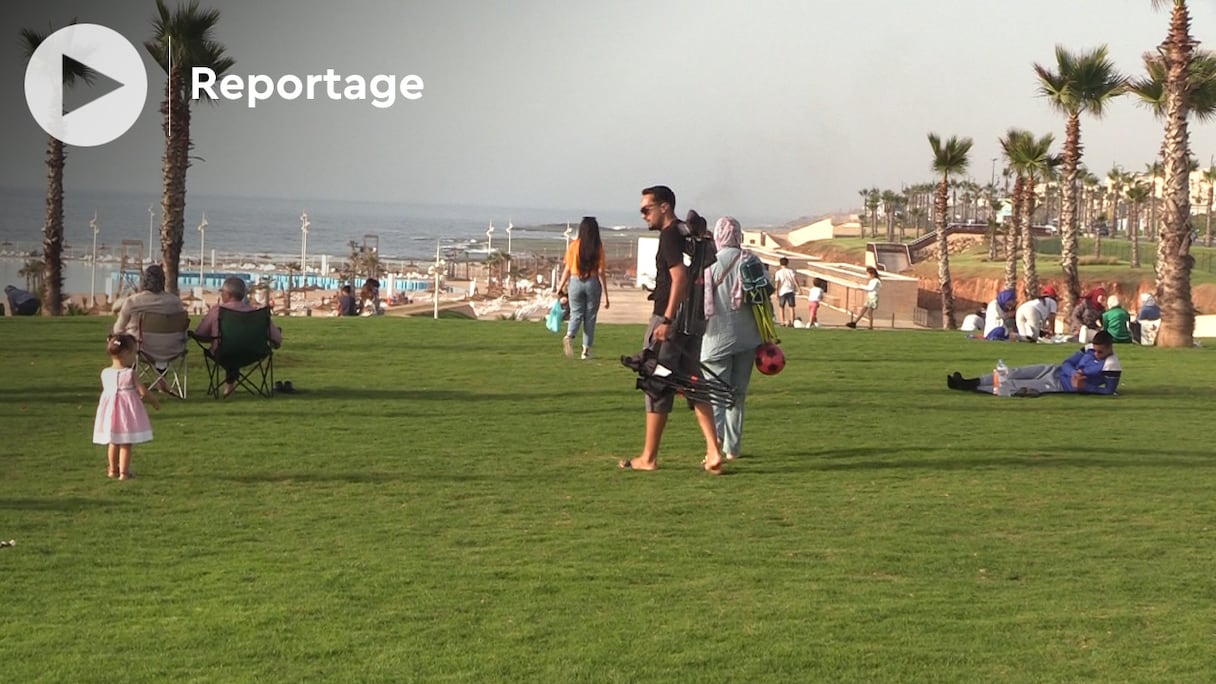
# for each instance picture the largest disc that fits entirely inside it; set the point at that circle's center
(1154, 171)
(873, 200)
(1209, 176)
(1032, 159)
(994, 206)
(1137, 195)
(1181, 81)
(1009, 144)
(948, 158)
(190, 32)
(1084, 82)
(56, 158)
(890, 205)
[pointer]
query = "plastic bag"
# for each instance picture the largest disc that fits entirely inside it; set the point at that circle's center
(554, 320)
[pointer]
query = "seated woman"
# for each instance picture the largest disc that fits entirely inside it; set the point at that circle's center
(1148, 321)
(1093, 370)
(1000, 309)
(1116, 320)
(1087, 314)
(369, 298)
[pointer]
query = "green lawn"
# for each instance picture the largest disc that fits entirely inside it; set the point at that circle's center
(440, 502)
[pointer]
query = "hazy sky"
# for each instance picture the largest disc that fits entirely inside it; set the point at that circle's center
(768, 109)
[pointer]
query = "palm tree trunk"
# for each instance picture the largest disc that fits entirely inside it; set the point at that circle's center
(1133, 230)
(1031, 286)
(1069, 231)
(52, 231)
(1133, 227)
(1013, 233)
(176, 161)
(1174, 260)
(943, 262)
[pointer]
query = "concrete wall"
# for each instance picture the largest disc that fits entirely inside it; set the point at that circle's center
(819, 230)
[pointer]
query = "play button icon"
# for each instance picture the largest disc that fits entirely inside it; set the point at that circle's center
(99, 112)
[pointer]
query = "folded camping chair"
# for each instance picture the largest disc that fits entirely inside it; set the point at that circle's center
(244, 343)
(162, 351)
(654, 378)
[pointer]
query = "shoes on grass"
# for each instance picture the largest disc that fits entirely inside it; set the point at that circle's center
(586, 354)
(568, 347)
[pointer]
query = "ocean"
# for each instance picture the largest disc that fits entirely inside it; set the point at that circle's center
(241, 228)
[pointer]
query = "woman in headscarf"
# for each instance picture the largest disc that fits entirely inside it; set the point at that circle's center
(731, 336)
(999, 310)
(1087, 314)
(1148, 320)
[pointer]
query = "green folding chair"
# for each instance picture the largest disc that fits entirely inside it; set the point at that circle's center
(244, 344)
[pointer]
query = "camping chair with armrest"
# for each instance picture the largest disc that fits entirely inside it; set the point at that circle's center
(243, 343)
(161, 361)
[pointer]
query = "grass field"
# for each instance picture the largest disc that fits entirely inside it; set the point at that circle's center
(440, 503)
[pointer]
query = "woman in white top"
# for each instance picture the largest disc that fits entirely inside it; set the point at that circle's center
(867, 309)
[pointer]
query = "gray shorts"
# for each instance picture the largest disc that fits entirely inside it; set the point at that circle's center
(786, 299)
(681, 353)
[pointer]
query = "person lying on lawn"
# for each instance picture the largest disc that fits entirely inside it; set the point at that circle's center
(1092, 370)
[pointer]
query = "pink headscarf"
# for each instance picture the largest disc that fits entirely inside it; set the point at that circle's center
(727, 233)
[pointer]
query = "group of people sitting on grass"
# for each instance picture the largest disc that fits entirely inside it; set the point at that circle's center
(1035, 319)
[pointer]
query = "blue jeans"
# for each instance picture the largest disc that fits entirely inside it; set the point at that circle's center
(584, 308)
(736, 370)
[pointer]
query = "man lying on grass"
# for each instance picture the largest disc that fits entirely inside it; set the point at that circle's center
(1093, 370)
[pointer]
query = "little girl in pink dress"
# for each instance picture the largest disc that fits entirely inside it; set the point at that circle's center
(121, 418)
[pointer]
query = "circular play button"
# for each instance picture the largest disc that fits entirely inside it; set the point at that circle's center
(108, 106)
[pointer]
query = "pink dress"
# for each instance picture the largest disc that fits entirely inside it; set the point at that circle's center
(121, 417)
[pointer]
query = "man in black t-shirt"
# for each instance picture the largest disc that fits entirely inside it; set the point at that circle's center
(676, 349)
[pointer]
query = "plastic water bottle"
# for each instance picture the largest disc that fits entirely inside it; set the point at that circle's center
(1000, 380)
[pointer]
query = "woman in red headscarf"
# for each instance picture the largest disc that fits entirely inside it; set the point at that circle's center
(1087, 314)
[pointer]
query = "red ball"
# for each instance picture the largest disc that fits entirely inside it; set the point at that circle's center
(770, 359)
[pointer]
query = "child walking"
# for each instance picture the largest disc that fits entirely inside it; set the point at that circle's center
(121, 418)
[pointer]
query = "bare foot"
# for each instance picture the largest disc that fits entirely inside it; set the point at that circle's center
(111, 474)
(638, 463)
(126, 476)
(713, 465)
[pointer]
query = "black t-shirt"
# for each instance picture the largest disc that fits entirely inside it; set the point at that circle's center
(670, 253)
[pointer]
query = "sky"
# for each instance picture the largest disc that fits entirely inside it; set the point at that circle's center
(767, 109)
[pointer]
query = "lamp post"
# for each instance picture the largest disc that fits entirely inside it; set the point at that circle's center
(490, 238)
(993, 181)
(510, 227)
(93, 273)
(202, 240)
(304, 224)
(151, 217)
(567, 235)
(436, 271)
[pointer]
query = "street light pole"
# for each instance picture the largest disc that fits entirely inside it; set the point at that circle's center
(490, 238)
(93, 274)
(151, 216)
(993, 181)
(567, 235)
(202, 242)
(436, 271)
(304, 224)
(510, 227)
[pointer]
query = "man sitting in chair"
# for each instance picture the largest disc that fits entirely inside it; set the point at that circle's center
(151, 298)
(232, 296)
